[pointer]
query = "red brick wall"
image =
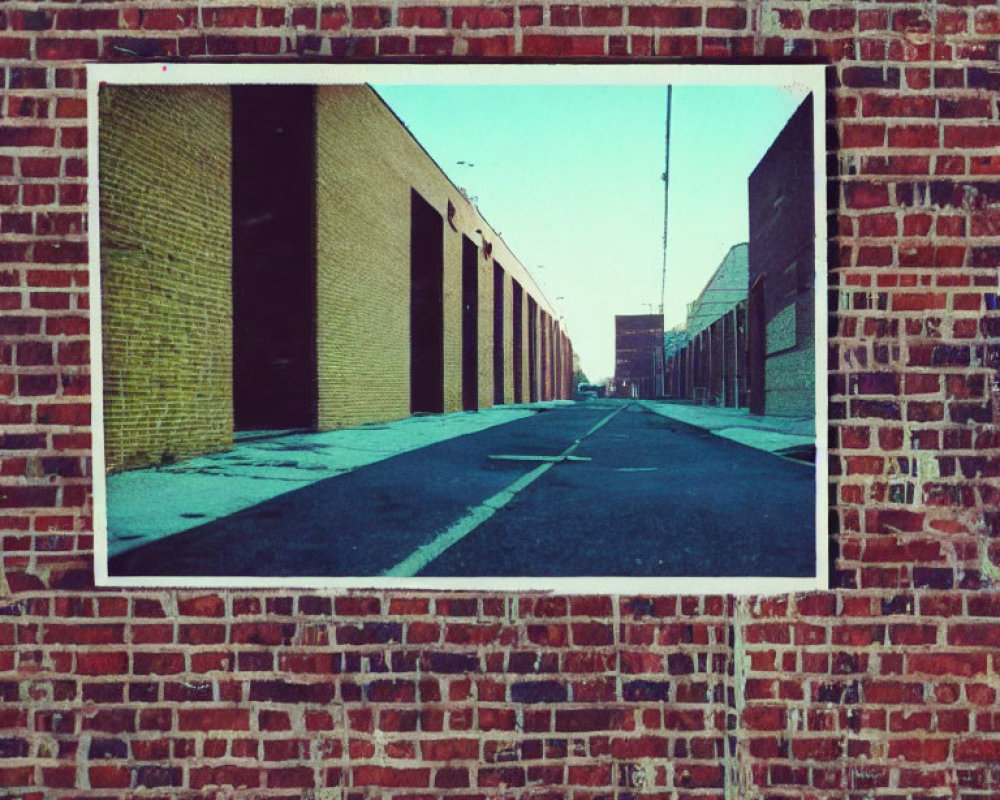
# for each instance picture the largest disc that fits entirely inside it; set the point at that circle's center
(885, 687)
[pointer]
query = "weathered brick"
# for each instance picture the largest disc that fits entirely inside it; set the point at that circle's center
(665, 16)
(914, 103)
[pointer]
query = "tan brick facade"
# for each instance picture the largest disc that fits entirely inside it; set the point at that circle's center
(169, 349)
(508, 335)
(165, 267)
(363, 268)
(485, 328)
(367, 164)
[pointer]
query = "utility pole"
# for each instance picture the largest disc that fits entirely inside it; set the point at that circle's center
(666, 201)
(660, 373)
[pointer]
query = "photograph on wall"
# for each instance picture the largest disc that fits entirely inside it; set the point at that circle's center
(509, 327)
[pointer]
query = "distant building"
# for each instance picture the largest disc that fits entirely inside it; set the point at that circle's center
(723, 292)
(674, 341)
(714, 363)
(780, 308)
(706, 356)
(639, 355)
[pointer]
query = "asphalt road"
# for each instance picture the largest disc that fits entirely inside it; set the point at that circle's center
(655, 498)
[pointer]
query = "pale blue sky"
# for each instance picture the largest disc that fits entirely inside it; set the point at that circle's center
(571, 178)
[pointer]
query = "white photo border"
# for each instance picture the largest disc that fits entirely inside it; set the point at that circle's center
(807, 77)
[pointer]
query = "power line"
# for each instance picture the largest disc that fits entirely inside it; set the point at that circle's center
(666, 201)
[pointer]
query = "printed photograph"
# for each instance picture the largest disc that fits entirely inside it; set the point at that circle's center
(456, 327)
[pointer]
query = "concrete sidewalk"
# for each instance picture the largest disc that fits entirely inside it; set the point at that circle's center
(149, 504)
(770, 433)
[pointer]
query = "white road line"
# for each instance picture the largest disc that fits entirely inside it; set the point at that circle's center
(553, 459)
(425, 554)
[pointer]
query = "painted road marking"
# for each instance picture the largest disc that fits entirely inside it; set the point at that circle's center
(554, 459)
(425, 554)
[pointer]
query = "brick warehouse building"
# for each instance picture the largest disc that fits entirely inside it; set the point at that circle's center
(338, 278)
(639, 355)
(752, 330)
(883, 687)
(708, 363)
(781, 346)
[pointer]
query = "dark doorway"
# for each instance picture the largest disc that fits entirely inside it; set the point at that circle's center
(470, 325)
(274, 266)
(546, 358)
(426, 307)
(756, 346)
(517, 321)
(532, 350)
(498, 371)
(557, 362)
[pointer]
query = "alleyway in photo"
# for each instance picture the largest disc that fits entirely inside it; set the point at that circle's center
(639, 495)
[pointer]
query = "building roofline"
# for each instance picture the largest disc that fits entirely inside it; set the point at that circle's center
(718, 269)
(808, 99)
(465, 197)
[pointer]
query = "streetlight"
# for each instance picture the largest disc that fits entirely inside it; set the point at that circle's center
(471, 198)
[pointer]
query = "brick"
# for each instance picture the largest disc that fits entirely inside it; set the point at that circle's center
(213, 719)
(365, 606)
(15, 48)
(478, 17)
(456, 749)
(61, 252)
(980, 136)
(422, 17)
(390, 777)
(863, 135)
(832, 19)
(866, 195)
(27, 496)
(974, 635)
(232, 17)
(731, 17)
(592, 634)
(109, 777)
(601, 16)
(167, 18)
(978, 750)
(591, 719)
(33, 354)
(562, 46)
(86, 19)
(370, 17)
(66, 49)
(678, 46)
(945, 663)
(871, 77)
(665, 16)
(279, 691)
(228, 775)
(370, 633)
(538, 692)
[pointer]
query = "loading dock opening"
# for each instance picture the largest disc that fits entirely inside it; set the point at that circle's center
(470, 325)
(426, 307)
(756, 345)
(498, 369)
(532, 350)
(518, 340)
(274, 265)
